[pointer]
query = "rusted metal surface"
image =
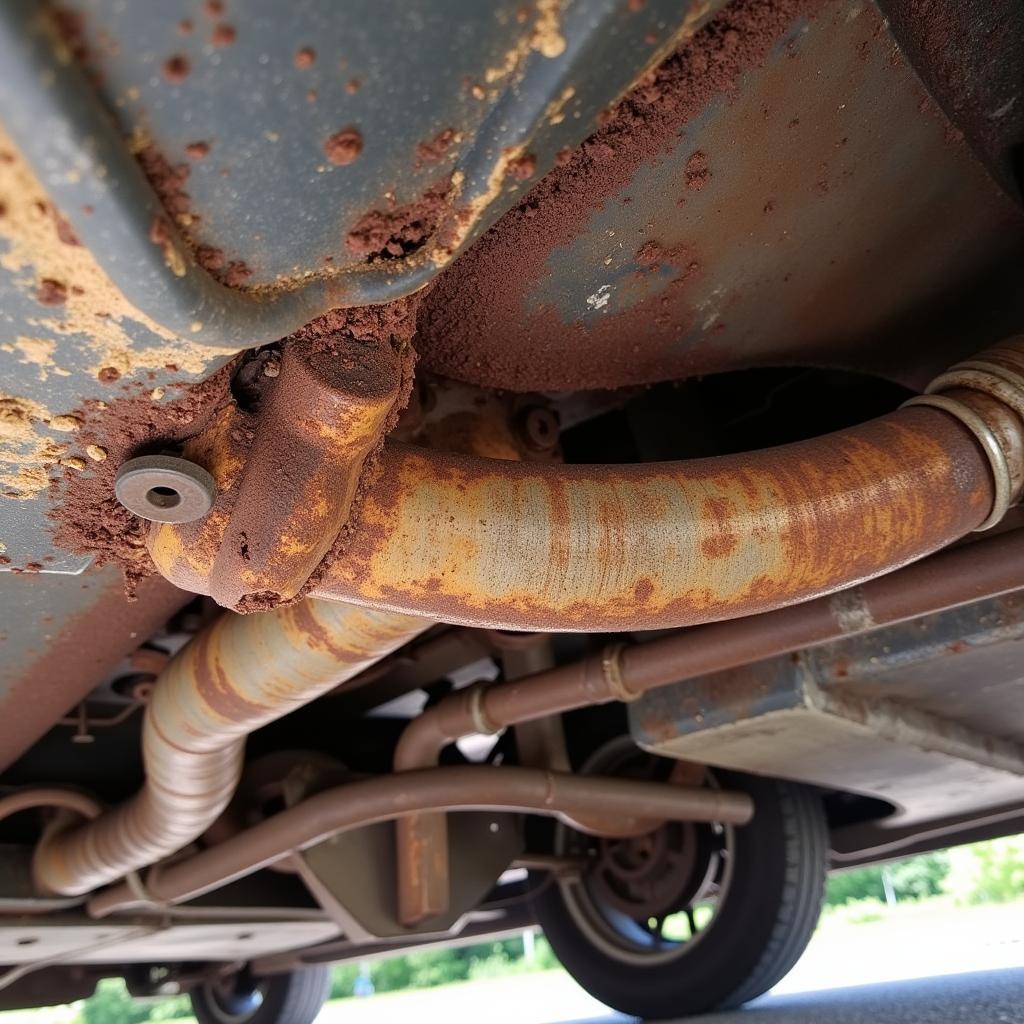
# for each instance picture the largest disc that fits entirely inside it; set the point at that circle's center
(61, 638)
(352, 874)
(423, 872)
(638, 547)
(986, 394)
(323, 418)
(809, 287)
(69, 341)
(239, 674)
(786, 192)
(954, 577)
(296, 467)
(446, 111)
(961, 665)
(447, 416)
(470, 787)
(104, 296)
(969, 55)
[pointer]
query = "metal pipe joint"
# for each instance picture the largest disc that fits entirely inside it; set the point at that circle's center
(986, 394)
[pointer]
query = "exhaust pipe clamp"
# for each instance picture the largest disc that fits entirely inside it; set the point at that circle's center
(1001, 479)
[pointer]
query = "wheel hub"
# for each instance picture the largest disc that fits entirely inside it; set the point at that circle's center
(652, 875)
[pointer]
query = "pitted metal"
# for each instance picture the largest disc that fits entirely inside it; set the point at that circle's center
(539, 86)
(678, 543)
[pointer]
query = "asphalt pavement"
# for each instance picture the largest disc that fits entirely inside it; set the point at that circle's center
(983, 997)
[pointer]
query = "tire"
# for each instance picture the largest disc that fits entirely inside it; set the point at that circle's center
(766, 915)
(293, 998)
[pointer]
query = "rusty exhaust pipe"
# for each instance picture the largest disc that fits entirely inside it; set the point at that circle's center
(576, 799)
(240, 673)
(615, 548)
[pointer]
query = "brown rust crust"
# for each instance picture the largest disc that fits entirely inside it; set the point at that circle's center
(466, 327)
(87, 517)
(324, 417)
(286, 474)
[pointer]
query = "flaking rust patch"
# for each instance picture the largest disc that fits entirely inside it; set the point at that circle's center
(547, 38)
(93, 313)
(470, 213)
(544, 36)
(36, 352)
(93, 318)
(26, 454)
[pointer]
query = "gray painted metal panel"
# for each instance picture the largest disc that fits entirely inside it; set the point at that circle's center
(885, 715)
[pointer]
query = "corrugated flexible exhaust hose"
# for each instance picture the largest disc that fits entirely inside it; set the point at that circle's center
(239, 674)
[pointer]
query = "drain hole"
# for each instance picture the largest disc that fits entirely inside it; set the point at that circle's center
(163, 497)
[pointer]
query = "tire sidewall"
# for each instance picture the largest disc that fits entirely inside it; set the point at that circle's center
(292, 998)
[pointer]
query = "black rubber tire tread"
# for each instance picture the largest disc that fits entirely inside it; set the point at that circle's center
(293, 998)
(761, 929)
(806, 846)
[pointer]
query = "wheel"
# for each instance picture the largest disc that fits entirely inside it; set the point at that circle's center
(292, 998)
(688, 918)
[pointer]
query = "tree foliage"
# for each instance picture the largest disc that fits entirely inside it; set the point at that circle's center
(915, 878)
(429, 968)
(991, 872)
(111, 1004)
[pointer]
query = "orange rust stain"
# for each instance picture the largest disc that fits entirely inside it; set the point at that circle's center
(719, 511)
(643, 590)
(721, 514)
(305, 624)
(212, 681)
(719, 545)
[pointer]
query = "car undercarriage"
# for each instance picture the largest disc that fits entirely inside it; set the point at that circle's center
(466, 467)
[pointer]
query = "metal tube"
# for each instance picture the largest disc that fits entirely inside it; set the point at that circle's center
(385, 798)
(613, 548)
(50, 797)
(301, 475)
(972, 572)
(239, 674)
